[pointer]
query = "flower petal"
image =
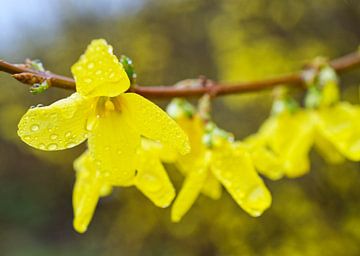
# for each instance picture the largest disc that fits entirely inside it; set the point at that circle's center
(99, 73)
(86, 193)
(153, 123)
(58, 126)
(328, 151)
(264, 159)
(113, 145)
(190, 190)
(290, 137)
(212, 187)
(153, 180)
(340, 125)
(233, 167)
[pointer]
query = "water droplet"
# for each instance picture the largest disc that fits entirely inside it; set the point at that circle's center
(42, 146)
(88, 80)
(35, 127)
(112, 75)
(90, 65)
(39, 105)
(98, 72)
(52, 146)
(70, 145)
(53, 136)
(68, 134)
(27, 137)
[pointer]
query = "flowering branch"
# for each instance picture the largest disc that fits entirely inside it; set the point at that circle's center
(197, 87)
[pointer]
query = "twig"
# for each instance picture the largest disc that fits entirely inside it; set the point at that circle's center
(28, 76)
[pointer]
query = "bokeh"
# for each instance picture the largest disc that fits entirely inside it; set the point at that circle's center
(171, 40)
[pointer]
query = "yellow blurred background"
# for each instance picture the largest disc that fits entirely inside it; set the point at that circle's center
(171, 40)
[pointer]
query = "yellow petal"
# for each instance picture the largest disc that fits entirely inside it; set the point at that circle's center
(165, 153)
(328, 151)
(264, 159)
(212, 187)
(99, 73)
(290, 137)
(86, 191)
(153, 123)
(190, 190)
(153, 180)
(113, 145)
(58, 126)
(233, 167)
(340, 125)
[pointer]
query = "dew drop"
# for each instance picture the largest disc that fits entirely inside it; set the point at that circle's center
(27, 137)
(53, 136)
(88, 80)
(68, 134)
(35, 127)
(90, 65)
(52, 146)
(112, 75)
(42, 146)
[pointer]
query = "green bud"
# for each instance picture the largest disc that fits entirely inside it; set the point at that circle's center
(129, 68)
(180, 108)
(39, 88)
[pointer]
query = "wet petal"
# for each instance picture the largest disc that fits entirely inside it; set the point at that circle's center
(190, 190)
(153, 180)
(58, 126)
(113, 145)
(99, 73)
(340, 125)
(165, 153)
(86, 193)
(153, 123)
(233, 167)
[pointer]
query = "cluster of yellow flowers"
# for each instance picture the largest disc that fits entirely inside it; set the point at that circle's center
(129, 138)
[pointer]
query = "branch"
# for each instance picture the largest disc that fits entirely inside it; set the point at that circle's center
(198, 87)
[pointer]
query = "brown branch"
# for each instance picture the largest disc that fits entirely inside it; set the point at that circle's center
(199, 86)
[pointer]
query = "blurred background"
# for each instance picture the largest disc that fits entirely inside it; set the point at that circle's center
(227, 40)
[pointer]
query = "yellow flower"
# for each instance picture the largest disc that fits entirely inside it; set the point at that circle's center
(113, 121)
(339, 126)
(282, 144)
(151, 179)
(208, 166)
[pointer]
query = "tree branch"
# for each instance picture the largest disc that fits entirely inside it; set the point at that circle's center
(197, 88)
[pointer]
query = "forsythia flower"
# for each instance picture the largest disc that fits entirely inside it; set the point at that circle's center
(282, 144)
(100, 110)
(151, 179)
(112, 120)
(215, 161)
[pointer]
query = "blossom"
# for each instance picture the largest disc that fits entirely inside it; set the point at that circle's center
(216, 160)
(282, 144)
(101, 111)
(151, 179)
